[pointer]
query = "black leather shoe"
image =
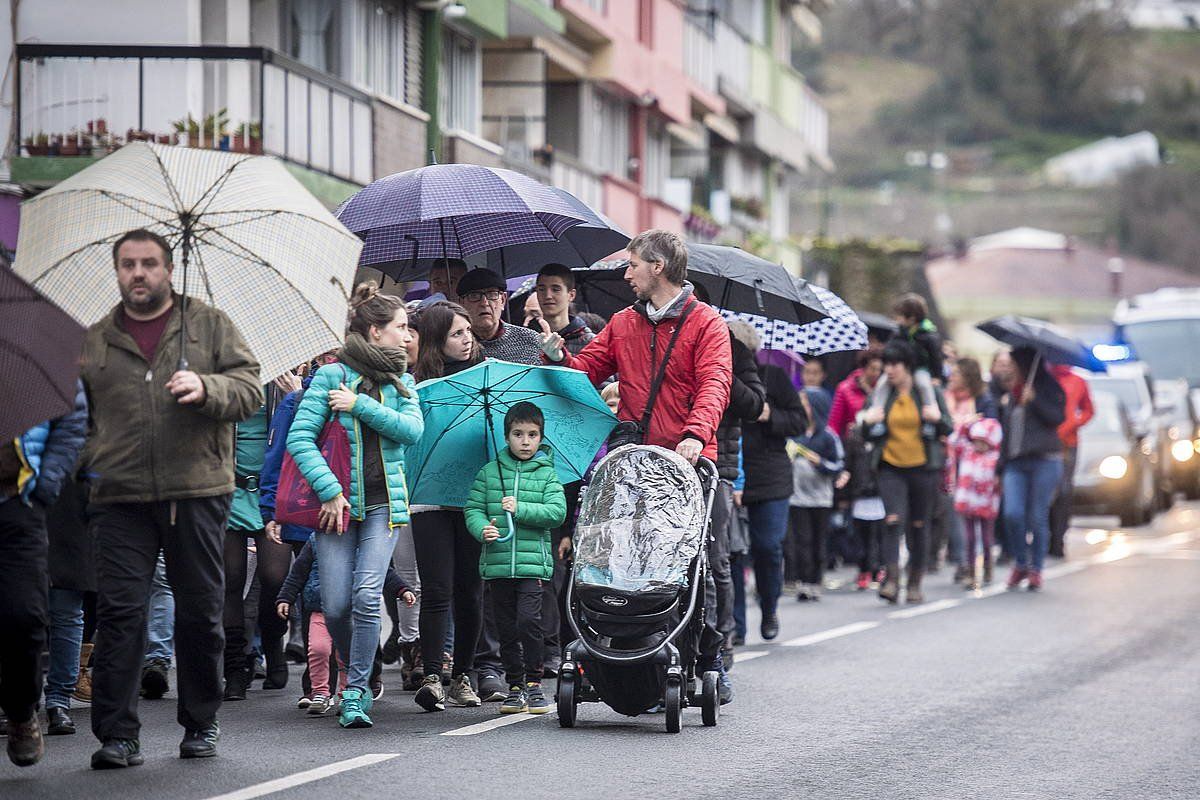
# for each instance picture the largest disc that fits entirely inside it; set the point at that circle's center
(60, 722)
(154, 679)
(118, 753)
(770, 626)
(236, 683)
(200, 743)
(25, 744)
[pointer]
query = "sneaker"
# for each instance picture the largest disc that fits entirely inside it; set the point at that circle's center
(515, 702)
(25, 744)
(154, 678)
(863, 582)
(353, 713)
(447, 667)
(118, 753)
(319, 705)
(814, 591)
(461, 694)
(491, 688)
(376, 687)
(431, 696)
(1015, 577)
(724, 687)
(803, 595)
(769, 627)
(200, 743)
(536, 702)
(304, 702)
(1035, 580)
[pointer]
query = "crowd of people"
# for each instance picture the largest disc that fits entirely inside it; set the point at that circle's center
(146, 527)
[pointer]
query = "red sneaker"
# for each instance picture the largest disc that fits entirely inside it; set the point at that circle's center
(864, 580)
(1015, 578)
(1035, 580)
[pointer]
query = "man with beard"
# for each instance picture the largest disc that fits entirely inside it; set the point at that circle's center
(161, 467)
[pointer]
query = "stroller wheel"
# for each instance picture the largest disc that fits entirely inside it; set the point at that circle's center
(566, 700)
(673, 706)
(710, 699)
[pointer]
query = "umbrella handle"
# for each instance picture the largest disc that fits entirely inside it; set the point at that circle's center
(511, 529)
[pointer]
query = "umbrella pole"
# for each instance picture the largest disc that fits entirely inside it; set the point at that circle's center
(187, 249)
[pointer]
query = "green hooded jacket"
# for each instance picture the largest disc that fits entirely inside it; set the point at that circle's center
(541, 506)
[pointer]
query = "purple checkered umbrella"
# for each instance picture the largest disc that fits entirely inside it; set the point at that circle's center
(453, 211)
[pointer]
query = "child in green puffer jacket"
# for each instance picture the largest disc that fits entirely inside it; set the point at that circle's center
(516, 500)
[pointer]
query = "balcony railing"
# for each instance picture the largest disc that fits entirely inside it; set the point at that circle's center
(85, 99)
(698, 55)
(733, 68)
(566, 173)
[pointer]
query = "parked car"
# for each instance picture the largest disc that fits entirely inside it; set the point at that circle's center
(1131, 382)
(1114, 472)
(1174, 404)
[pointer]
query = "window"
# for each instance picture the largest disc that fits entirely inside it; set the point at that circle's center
(745, 15)
(610, 128)
(460, 84)
(311, 31)
(658, 159)
(381, 47)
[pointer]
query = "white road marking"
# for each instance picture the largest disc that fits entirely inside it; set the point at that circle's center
(832, 633)
(492, 724)
(750, 655)
(1179, 555)
(927, 608)
(308, 776)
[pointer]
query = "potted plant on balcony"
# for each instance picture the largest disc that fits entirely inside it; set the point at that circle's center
(75, 144)
(37, 144)
(211, 132)
(138, 136)
(248, 138)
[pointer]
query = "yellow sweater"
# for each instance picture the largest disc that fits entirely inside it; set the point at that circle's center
(904, 447)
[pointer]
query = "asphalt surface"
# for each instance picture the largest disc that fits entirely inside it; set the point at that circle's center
(1086, 690)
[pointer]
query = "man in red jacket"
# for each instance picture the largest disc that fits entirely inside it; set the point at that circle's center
(1079, 410)
(695, 389)
(699, 373)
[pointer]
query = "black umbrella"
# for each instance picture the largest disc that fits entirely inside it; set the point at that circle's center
(883, 327)
(1051, 342)
(40, 345)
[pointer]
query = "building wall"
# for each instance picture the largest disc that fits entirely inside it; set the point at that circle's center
(399, 138)
(514, 100)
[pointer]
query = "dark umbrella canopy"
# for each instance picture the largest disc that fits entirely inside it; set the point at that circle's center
(1053, 343)
(40, 345)
(453, 211)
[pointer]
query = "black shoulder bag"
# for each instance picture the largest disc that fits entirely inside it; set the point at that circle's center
(631, 432)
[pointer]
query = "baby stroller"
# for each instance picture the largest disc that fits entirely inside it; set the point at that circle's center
(635, 600)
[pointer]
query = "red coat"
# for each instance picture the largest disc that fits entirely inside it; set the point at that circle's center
(695, 391)
(1078, 405)
(848, 400)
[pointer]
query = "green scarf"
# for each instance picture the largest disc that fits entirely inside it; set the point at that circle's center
(380, 365)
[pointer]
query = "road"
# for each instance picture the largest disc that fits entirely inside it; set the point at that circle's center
(1087, 690)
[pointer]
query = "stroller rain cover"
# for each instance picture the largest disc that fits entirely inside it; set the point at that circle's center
(642, 521)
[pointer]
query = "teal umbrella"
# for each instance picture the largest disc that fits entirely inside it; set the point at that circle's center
(464, 425)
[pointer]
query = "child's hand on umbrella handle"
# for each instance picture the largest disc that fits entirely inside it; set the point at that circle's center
(552, 343)
(341, 398)
(509, 504)
(490, 532)
(564, 548)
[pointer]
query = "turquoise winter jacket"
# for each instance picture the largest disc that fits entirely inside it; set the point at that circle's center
(396, 419)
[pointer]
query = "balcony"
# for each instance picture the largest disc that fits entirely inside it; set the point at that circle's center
(733, 68)
(78, 100)
(567, 173)
(698, 60)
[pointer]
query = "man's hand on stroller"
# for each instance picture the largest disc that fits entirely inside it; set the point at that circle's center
(490, 532)
(690, 449)
(509, 504)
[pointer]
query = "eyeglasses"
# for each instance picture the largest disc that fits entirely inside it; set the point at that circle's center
(491, 295)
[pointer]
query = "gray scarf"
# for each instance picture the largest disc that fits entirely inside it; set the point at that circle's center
(380, 365)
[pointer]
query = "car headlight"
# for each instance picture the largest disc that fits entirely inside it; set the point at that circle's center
(1183, 450)
(1114, 467)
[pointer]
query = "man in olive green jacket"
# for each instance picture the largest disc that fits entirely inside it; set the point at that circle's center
(161, 465)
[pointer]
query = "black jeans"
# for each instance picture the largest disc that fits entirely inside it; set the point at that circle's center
(448, 563)
(24, 600)
(191, 535)
(870, 539)
(1060, 509)
(274, 560)
(721, 603)
(809, 526)
(908, 497)
(487, 650)
(517, 605)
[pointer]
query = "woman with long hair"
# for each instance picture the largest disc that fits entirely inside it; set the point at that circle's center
(447, 554)
(369, 392)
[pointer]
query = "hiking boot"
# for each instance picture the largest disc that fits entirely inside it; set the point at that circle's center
(491, 688)
(319, 705)
(1014, 578)
(236, 683)
(277, 668)
(59, 722)
(461, 694)
(913, 594)
(25, 744)
(118, 753)
(83, 684)
(769, 628)
(431, 696)
(353, 711)
(863, 582)
(516, 702)
(154, 678)
(1035, 580)
(536, 702)
(889, 590)
(200, 743)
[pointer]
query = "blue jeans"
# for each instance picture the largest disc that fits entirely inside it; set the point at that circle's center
(160, 627)
(1029, 487)
(353, 566)
(66, 639)
(768, 529)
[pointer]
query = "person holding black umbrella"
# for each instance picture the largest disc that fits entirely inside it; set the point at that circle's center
(1031, 413)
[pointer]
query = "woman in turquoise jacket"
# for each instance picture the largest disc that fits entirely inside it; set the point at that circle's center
(376, 401)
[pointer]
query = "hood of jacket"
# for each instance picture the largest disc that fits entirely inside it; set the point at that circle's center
(820, 403)
(543, 457)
